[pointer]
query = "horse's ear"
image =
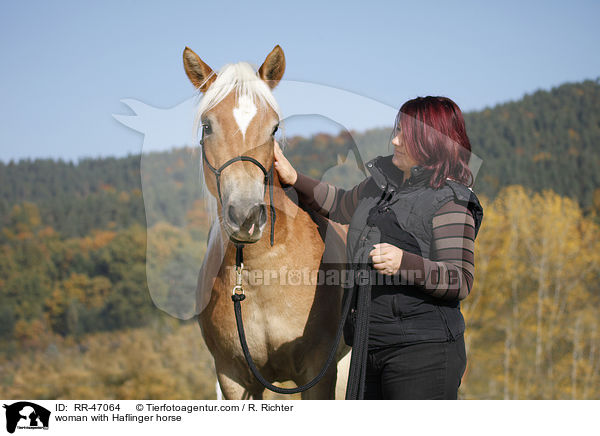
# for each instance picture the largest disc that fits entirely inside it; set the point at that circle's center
(200, 74)
(272, 69)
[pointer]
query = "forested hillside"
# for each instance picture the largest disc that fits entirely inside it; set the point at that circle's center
(546, 140)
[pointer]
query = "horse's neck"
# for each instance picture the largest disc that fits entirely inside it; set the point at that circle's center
(286, 208)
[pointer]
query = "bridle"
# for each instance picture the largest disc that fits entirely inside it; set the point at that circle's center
(268, 180)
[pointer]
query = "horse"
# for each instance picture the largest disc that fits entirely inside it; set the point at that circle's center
(290, 327)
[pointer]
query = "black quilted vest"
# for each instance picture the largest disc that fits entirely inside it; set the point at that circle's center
(400, 313)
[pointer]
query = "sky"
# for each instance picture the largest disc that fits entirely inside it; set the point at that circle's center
(67, 65)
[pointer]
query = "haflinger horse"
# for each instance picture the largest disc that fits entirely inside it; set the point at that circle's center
(290, 329)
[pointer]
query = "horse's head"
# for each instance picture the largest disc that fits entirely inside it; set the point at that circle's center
(238, 116)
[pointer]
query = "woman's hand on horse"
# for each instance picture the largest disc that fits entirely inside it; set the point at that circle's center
(286, 172)
(386, 258)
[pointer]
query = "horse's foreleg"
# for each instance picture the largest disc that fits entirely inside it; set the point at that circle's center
(333, 384)
(324, 390)
(233, 390)
(343, 368)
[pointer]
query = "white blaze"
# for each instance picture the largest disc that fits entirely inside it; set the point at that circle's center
(244, 112)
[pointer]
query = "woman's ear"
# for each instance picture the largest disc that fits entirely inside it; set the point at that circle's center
(200, 74)
(272, 69)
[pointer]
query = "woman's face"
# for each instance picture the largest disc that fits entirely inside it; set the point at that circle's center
(401, 158)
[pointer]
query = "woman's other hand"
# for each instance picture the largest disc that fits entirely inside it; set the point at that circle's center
(386, 258)
(286, 172)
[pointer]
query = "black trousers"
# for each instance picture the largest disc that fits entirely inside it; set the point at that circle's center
(423, 371)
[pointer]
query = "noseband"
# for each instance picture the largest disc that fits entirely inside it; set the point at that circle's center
(268, 180)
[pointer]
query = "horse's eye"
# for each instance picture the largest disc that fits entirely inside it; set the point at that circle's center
(206, 128)
(275, 129)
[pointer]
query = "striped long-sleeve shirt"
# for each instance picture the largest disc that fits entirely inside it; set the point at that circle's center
(449, 272)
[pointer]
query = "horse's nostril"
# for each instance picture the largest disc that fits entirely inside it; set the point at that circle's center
(257, 215)
(247, 219)
(232, 216)
(262, 218)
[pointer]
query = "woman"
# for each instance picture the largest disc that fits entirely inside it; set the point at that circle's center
(415, 221)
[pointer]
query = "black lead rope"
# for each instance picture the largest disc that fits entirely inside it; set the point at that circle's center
(358, 363)
(239, 297)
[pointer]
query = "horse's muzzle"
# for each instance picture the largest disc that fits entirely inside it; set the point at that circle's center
(245, 221)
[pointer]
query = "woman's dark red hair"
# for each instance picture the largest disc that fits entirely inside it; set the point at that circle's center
(433, 129)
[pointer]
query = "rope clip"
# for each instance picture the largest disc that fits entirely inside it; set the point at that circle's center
(238, 289)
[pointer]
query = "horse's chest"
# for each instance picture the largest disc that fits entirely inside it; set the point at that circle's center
(270, 321)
